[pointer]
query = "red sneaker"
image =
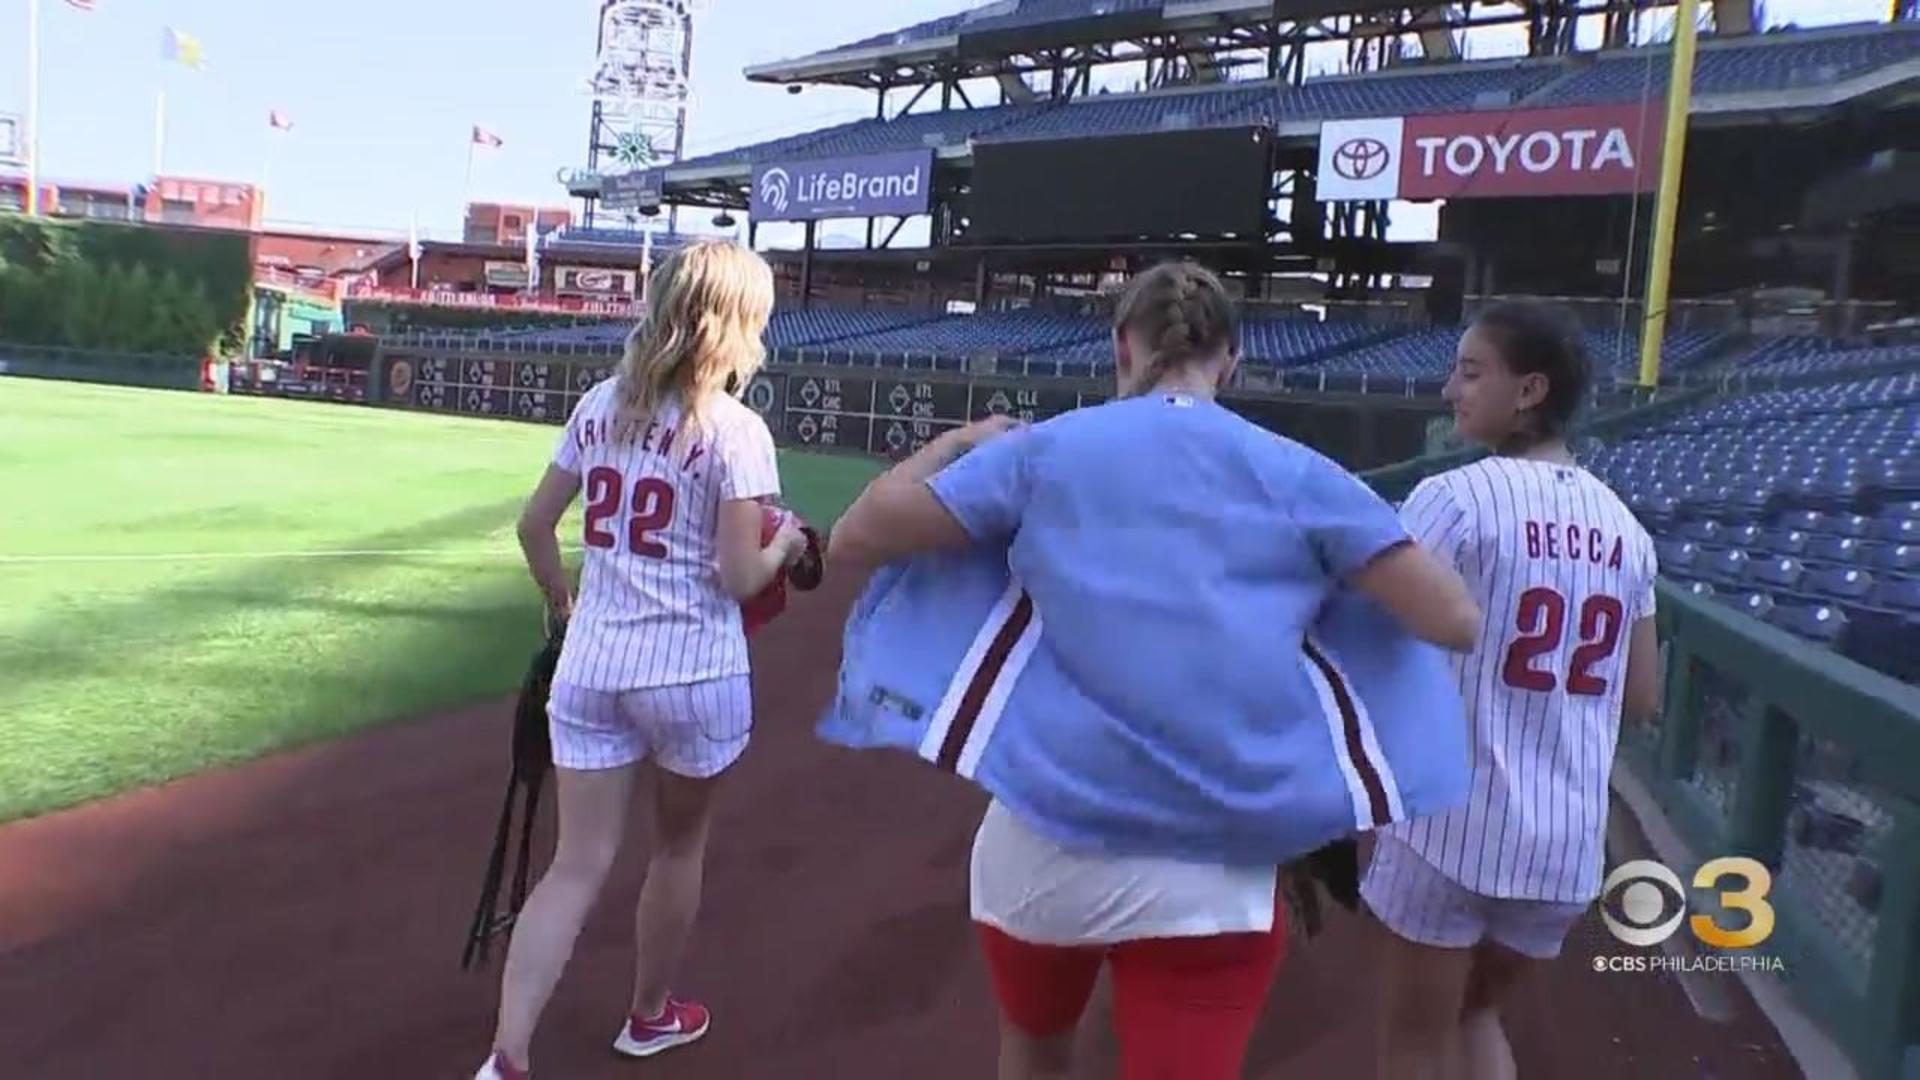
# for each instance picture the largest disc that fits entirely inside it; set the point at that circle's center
(681, 1022)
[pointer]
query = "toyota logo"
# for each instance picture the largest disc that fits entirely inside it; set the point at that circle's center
(773, 189)
(1361, 158)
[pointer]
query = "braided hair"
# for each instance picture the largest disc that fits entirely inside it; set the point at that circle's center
(1184, 314)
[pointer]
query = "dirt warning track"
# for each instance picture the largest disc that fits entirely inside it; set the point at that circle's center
(302, 917)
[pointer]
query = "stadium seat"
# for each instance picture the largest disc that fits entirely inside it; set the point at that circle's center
(1758, 605)
(1833, 549)
(1779, 575)
(1724, 566)
(1898, 594)
(1896, 530)
(1840, 584)
(1784, 541)
(1822, 622)
(1897, 559)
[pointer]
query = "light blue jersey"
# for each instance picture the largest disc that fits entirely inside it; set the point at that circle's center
(1150, 651)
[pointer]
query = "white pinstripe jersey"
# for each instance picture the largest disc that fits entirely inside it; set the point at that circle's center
(651, 610)
(1562, 571)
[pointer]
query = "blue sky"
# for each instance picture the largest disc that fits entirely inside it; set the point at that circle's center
(383, 93)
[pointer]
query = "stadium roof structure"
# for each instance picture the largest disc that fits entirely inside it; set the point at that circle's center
(1778, 77)
(1029, 35)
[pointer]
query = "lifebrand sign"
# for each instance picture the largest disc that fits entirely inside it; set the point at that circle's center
(899, 184)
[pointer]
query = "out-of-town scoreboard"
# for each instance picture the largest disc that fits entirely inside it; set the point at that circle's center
(871, 412)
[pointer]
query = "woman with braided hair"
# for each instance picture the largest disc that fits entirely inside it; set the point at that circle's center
(1175, 552)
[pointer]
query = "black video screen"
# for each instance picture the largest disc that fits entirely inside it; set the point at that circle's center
(1166, 184)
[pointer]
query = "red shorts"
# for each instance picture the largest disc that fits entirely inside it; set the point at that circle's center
(1183, 1007)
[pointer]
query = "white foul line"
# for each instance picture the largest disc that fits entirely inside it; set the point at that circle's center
(208, 556)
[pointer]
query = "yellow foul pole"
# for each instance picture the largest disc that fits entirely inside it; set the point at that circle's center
(1672, 155)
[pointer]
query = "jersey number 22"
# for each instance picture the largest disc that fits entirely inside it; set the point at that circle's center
(1542, 622)
(652, 510)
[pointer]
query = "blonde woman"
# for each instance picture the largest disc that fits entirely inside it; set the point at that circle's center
(654, 671)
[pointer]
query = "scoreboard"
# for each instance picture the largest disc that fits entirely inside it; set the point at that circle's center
(887, 416)
(875, 411)
(521, 389)
(893, 416)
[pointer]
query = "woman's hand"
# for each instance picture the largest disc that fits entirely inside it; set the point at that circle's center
(972, 435)
(790, 540)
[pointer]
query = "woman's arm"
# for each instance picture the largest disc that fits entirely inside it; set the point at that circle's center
(745, 566)
(898, 515)
(540, 544)
(1425, 595)
(1640, 701)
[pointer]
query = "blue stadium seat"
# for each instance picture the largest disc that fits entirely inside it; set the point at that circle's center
(1898, 511)
(1705, 531)
(1897, 559)
(1780, 574)
(1724, 566)
(1823, 623)
(1840, 584)
(1844, 550)
(1784, 541)
(1891, 530)
(1898, 594)
(1675, 557)
(1758, 605)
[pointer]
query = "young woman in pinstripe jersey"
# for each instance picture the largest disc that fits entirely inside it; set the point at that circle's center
(1472, 899)
(654, 670)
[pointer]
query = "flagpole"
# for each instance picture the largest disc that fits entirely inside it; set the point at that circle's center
(466, 199)
(33, 107)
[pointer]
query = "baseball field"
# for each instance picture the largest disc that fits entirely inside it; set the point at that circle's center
(193, 580)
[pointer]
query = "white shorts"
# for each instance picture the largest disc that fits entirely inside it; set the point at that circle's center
(695, 730)
(1419, 903)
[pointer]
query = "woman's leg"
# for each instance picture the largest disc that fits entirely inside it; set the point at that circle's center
(1421, 993)
(593, 817)
(1185, 1008)
(1042, 991)
(697, 733)
(670, 899)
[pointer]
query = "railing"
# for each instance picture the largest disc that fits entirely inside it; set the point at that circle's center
(160, 370)
(1774, 749)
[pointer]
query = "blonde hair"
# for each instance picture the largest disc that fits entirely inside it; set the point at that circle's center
(1183, 312)
(707, 306)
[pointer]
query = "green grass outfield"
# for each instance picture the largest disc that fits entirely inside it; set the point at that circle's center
(162, 608)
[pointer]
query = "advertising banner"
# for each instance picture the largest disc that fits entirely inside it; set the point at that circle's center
(898, 184)
(506, 275)
(632, 191)
(1582, 150)
(595, 281)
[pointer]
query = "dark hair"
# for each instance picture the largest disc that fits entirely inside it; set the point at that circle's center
(1183, 310)
(1537, 338)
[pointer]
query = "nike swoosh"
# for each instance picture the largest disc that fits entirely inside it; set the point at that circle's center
(663, 1029)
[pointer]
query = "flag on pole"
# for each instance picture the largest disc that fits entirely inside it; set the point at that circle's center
(183, 49)
(483, 137)
(279, 121)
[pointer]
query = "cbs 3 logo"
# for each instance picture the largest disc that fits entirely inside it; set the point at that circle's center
(1648, 891)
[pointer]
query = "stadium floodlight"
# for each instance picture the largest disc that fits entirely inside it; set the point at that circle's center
(641, 85)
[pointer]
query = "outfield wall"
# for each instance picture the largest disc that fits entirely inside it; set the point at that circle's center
(884, 412)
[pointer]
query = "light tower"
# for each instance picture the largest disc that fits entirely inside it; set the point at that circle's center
(641, 85)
